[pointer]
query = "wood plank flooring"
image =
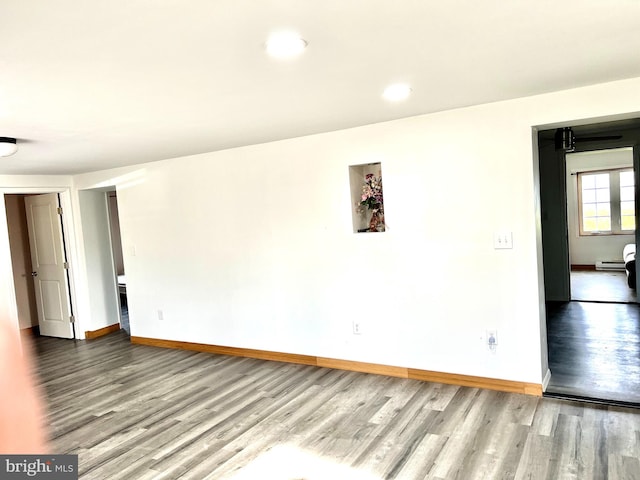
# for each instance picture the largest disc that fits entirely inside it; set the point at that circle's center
(594, 350)
(601, 286)
(139, 412)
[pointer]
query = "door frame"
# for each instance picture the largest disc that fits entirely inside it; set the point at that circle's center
(70, 244)
(110, 224)
(541, 189)
(564, 268)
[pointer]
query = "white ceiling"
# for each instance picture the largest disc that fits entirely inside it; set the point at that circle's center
(92, 84)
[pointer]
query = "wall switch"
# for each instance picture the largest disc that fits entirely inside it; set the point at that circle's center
(357, 327)
(160, 315)
(502, 240)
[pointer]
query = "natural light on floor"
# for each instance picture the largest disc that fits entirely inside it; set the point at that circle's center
(285, 462)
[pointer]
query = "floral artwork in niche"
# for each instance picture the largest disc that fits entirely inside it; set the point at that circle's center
(371, 199)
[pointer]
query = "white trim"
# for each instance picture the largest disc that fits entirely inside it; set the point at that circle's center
(615, 218)
(546, 380)
(32, 190)
(72, 258)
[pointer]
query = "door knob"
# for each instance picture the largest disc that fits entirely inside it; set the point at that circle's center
(34, 274)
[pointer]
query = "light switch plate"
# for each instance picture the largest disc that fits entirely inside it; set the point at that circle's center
(502, 240)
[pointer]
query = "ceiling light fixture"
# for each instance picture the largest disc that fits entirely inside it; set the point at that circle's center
(8, 146)
(397, 92)
(285, 45)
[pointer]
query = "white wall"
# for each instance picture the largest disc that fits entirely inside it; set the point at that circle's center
(103, 296)
(587, 250)
(253, 247)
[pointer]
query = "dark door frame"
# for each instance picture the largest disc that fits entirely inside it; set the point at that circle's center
(552, 196)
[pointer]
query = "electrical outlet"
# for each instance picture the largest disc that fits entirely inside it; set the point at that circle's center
(492, 339)
(357, 327)
(160, 315)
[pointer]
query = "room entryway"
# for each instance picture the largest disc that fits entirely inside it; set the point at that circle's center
(592, 318)
(118, 263)
(99, 251)
(40, 264)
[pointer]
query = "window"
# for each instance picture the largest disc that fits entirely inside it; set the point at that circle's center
(607, 202)
(627, 201)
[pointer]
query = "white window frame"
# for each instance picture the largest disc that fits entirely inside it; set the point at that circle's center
(614, 202)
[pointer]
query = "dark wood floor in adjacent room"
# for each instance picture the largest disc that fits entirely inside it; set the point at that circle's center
(138, 412)
(594, 350)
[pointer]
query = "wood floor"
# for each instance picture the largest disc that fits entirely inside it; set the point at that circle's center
(139, 412)
(594, 350)
(601, 286)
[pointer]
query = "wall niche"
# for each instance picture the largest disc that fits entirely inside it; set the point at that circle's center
(367, 202)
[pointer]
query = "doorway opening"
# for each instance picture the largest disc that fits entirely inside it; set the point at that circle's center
(593, 338)
(40, 264)
(101, 298)
(118, 263)
(102, 295)
(601, 225)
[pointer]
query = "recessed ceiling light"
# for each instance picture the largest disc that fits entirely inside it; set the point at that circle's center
(397, 92)
(285, 45)
(8, 146)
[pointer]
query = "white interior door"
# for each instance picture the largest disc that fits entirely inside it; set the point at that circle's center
(48, 262)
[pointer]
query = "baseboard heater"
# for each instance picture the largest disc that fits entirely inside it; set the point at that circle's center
(616, 265)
